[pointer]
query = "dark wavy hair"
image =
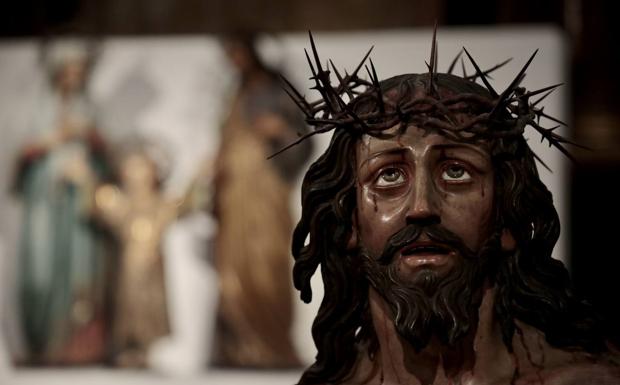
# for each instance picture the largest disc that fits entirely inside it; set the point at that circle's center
(532, 287)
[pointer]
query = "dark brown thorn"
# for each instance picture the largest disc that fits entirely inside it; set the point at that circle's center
(343, 86)
(433, 61)
(542, 97)
(310, 64)
(321, 78)
(436, 57)
(565, 152)
(352, 114)
(375, 80)
(453, 64)
(503, 98)
(315, 53)
(374, 77)
(372, 80)
(541, 113)
(298, 103)
(519, 78)
(297, 97)
(481, 75)
(463, 68)
(301, 139)
(540, 91)
(359, 66)
(548, 130)
(490, 70)
(554, 139)
(563, 140)
(335, 70)
(538, 116)
(541, 162)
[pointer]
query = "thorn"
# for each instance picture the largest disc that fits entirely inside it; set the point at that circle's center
(374, 72)
(335, 69)
(297, 97)
(542, 97)
(503, 98)
(453, 64)
(482, 76)
(463, 68)
(343, 84)
(310, 64)
(368, 72)
(297, 102)
(513, 85)
(519, 78)
(315, 53)
(433, 61)
(549, 130)
(301, 139)
(490, 70)
(540, 91)
(554, 139)
(359, 66)
(541, 113)
(541, 162)
(377, 87)
(538, 116)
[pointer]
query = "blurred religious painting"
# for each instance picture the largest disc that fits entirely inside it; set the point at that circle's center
(61, 254)
(93, 284)
(251, 205)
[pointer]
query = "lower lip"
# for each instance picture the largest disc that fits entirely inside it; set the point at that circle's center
(421, 259)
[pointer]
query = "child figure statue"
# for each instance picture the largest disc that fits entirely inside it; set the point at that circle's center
(138, 214)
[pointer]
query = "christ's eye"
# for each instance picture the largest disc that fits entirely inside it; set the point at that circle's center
(455, 172)
(390, 177)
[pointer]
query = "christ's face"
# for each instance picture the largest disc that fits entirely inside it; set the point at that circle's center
(423, 178)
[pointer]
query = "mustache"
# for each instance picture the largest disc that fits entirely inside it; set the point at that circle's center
(412, 232)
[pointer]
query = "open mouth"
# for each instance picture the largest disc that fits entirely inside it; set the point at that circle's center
(425, 248)
(419, 254)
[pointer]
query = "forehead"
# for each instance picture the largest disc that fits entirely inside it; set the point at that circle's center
(418, 141)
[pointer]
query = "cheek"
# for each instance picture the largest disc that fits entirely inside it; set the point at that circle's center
(469, 217)
(378, 219)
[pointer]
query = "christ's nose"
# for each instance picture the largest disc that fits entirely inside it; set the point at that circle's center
(423, 209)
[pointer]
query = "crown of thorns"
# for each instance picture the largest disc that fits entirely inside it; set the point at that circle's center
(508, 112)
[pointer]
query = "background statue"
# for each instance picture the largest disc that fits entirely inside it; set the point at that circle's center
(62, 266)
(434, 234)
(138, 215)
(254, 225)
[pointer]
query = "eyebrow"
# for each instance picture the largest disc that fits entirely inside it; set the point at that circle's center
(389, 151)
(461, 146)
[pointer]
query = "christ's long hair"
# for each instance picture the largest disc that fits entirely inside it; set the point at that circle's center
(532, 287)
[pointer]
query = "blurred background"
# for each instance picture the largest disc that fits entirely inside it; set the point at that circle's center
(104, 98)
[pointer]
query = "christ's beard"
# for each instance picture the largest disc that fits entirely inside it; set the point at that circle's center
(429, 304)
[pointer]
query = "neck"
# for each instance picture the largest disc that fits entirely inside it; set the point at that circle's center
(481, 351)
